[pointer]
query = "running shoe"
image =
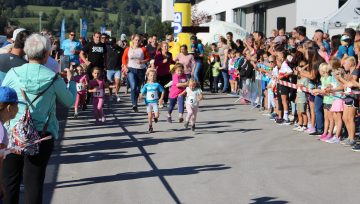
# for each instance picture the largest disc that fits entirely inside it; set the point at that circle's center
(169, 119)
(76, 115)
(151, 130)
(118, 98)
(285, 122)
(193, 128)
(135, 109)
(311, 130)
(296, 128)
(103, 119)
(316, 133)
(278, 120)
(348, 143)
(181, 120)
(328, 137)
(356, 148)
(186, 124)
(333, 140)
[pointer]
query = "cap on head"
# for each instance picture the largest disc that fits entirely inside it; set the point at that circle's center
(345, 38)
(8, 95)
(16, 32)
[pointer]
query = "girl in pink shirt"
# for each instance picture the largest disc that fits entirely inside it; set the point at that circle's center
(97, 87)
(179, 83)
(82, 81)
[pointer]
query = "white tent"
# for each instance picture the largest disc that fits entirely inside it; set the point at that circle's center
(220, 28)
(349, 12)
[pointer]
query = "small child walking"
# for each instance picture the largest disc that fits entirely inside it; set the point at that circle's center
(82, 82)
(179, 83)
(193, 96)
(97, 87)
(151, 92)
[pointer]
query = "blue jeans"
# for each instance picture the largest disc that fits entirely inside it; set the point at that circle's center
(226, 80)
(136, 78)
(319, 114)
(198, 71)
(180, 100)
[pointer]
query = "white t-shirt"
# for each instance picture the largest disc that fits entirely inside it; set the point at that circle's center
(192, 97)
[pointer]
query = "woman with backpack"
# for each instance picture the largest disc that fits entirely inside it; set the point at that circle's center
(39, 88)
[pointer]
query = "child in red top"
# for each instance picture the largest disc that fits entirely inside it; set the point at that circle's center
(97, 87)
(179, 83)
(82, 81)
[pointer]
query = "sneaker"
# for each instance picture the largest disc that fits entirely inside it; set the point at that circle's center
(296, 128)
(193, 128)
(356, 148)
(303, 129)
(311, 130)
(278, 120)
(316, 133)
(186, 124)
(169, 119)
(118, 98)
(135, 109)
(103, 119)
(181, 120)
(76, 115)
(322, 137)
(348, 143)
(150, 129)
(328, 137)
(285, 122)
(333, 140)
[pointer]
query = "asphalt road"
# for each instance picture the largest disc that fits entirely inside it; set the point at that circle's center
(236, 155)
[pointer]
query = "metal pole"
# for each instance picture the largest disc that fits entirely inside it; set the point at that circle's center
(145, 27)
(40, 15)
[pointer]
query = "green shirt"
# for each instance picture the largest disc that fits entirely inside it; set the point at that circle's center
(34, 78)
(325, 81)
(216, 69)
(301, 96)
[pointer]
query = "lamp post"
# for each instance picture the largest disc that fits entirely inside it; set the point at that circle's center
(40, 15)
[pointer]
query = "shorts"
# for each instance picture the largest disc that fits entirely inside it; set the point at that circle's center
(283, 90)
(311, 98)
(327, 106)
(338, 106)
(111, 74)
(351, 102)
(152, 107)
(301, 107)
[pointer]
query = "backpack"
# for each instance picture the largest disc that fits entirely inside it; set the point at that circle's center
(24, 137)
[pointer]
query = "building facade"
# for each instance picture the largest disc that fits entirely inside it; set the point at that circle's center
(265, 15)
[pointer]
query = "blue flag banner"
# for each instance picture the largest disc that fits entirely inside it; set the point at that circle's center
(103, 29)
(84, 28)
(62, 31)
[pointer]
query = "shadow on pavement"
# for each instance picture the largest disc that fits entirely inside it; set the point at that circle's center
(268, 200)
(142, 174)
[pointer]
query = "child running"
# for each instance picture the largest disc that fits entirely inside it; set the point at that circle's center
(193, 96)
(97, 87)
(151, 92)
(82, 82)
(179, 83)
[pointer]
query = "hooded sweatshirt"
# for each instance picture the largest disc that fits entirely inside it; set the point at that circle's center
(34, 78)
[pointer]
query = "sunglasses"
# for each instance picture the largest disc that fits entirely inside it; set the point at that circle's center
(72, 35)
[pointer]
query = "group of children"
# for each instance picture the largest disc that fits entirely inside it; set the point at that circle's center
(180, 87)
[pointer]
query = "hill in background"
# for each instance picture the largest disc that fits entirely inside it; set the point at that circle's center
(126, 16)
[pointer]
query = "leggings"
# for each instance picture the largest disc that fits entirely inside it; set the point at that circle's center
(191, 113)
(98, 103)
(80, 99)
(180, 100)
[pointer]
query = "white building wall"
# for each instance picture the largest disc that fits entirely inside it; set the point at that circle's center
(287, 11)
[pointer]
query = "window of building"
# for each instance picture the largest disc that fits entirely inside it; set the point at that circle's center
(240, 17)
(342, 2)
(260, 18)
(221, 16)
